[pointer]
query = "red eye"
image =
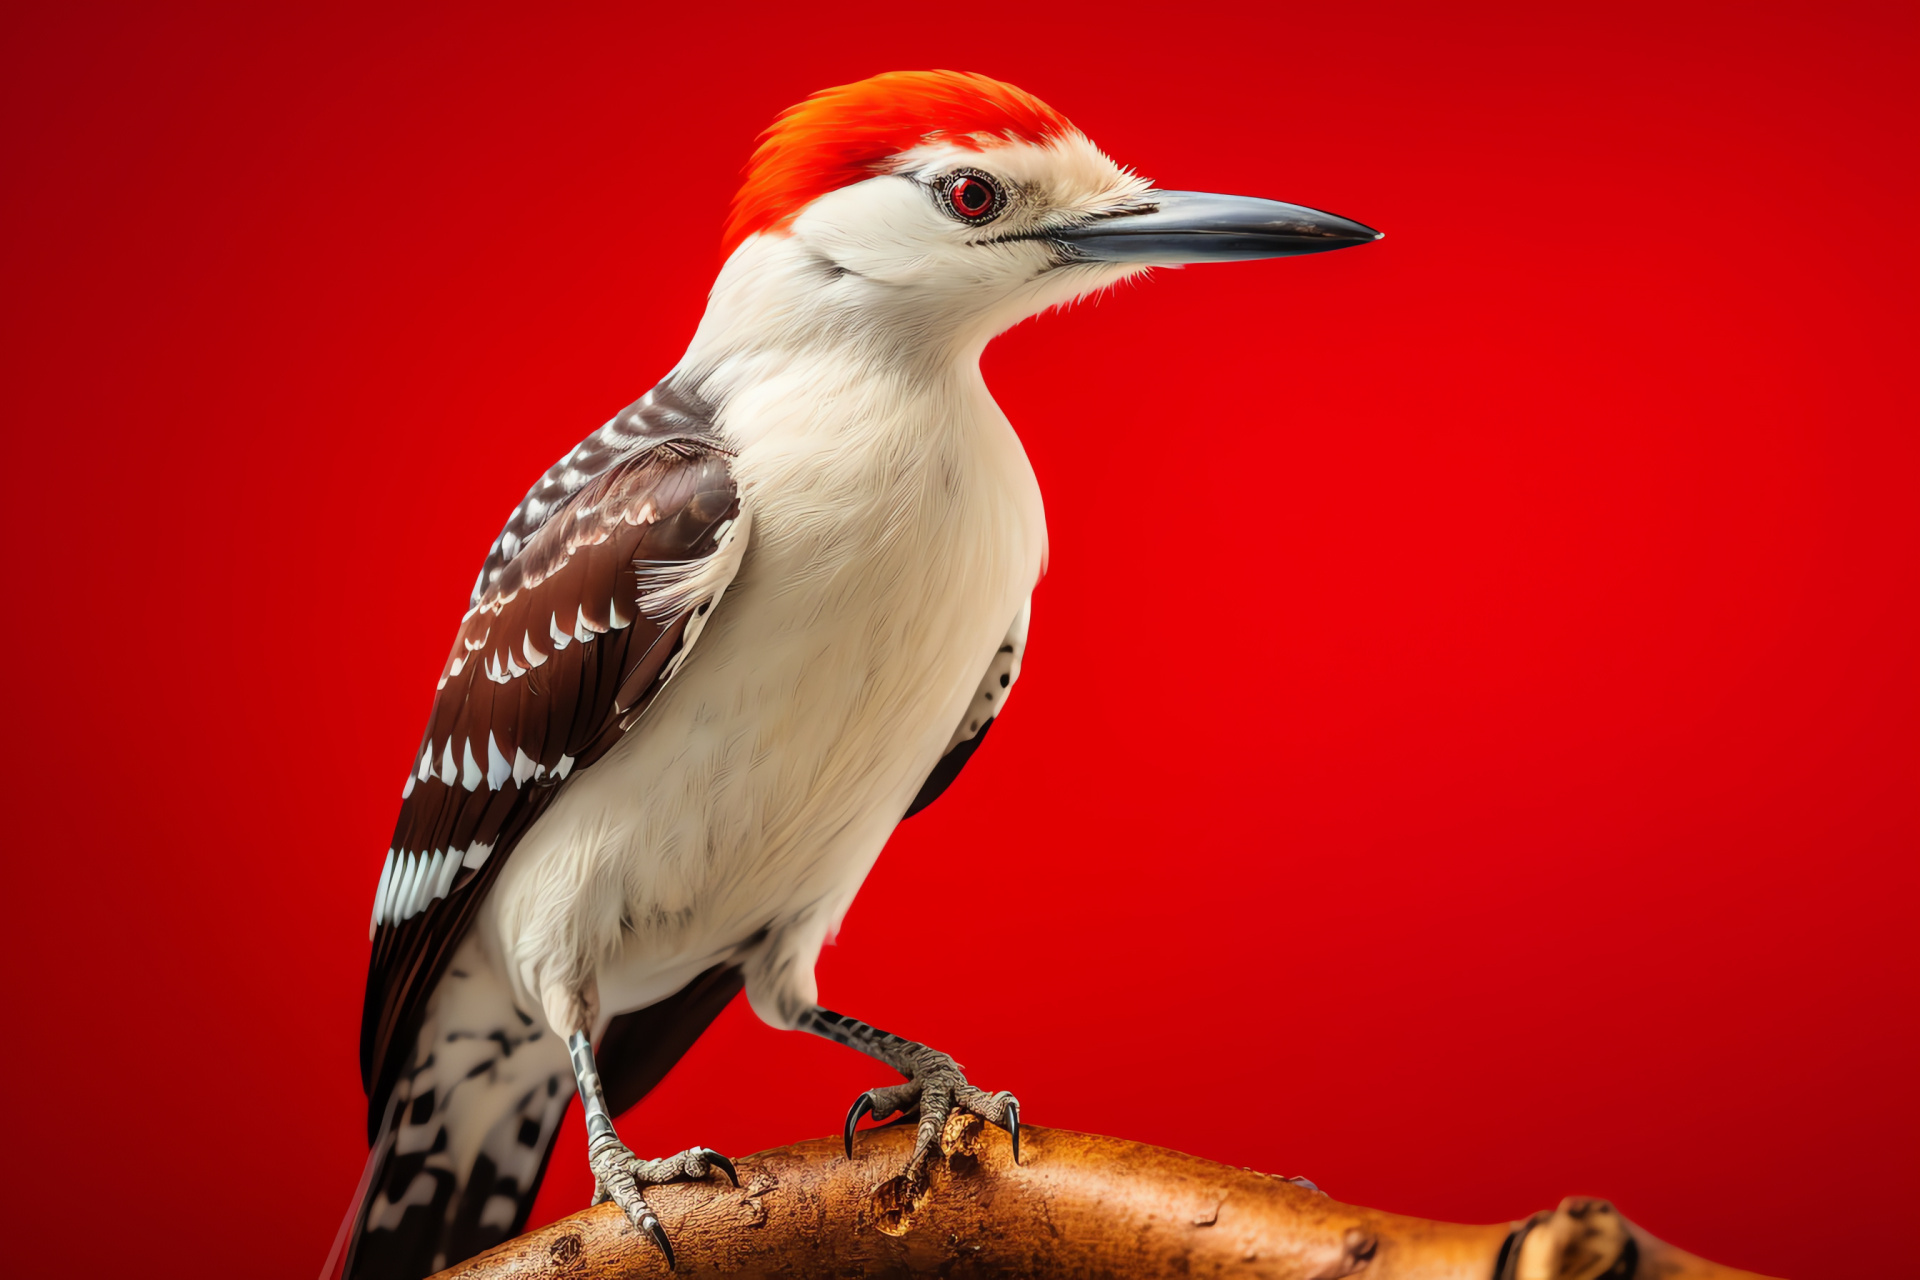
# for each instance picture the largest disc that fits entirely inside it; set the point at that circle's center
(972, 198)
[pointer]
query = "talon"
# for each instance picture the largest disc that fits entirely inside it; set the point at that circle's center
(725, 1165)
(651, 1225)
(861, 1106)
(1013, 1126)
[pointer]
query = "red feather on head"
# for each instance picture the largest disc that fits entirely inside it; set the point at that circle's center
(847, 133)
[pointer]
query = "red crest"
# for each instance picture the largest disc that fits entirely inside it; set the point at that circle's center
(844, 134)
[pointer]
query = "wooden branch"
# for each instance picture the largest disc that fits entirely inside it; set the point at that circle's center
(1077, 1205)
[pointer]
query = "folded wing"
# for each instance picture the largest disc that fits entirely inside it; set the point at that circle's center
(578, 619)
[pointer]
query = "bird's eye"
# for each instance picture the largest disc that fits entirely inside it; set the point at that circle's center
(973, 197)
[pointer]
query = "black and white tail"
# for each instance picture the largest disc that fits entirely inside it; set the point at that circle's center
(466, 1138)
(459, 1156)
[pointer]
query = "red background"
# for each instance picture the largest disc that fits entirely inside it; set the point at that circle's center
(1467, 750)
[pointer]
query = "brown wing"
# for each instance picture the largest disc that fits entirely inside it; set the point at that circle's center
(552, 664)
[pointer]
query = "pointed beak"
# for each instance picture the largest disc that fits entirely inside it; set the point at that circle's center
(1194, 226)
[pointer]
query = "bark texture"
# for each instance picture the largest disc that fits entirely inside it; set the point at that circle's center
(1077, 1205)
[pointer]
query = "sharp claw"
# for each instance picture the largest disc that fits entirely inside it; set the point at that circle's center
(1013, 1127)
(862, 1105)
(651, 1225)
(723, 1164)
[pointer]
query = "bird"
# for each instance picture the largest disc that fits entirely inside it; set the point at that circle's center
(727, 643)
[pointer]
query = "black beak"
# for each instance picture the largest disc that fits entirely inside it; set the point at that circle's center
(1193, 226)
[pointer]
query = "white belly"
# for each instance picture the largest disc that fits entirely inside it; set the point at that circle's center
(743, 811)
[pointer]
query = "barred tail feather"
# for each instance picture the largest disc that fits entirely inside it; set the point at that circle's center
(468, 1133)
(464, 1144)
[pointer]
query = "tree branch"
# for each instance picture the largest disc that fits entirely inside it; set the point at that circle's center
(1077, 1205)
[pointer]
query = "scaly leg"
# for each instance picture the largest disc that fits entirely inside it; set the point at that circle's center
(935, 1085)
(618, 1175)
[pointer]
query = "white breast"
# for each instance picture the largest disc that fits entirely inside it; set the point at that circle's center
(894, 538)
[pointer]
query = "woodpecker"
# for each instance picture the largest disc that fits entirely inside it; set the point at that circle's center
(727, 643)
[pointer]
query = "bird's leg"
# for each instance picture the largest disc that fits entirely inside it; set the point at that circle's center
(935, 1086)
(619, 1175)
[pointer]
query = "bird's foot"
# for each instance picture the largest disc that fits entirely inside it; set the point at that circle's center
(935, 1089)
(621, 1176)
